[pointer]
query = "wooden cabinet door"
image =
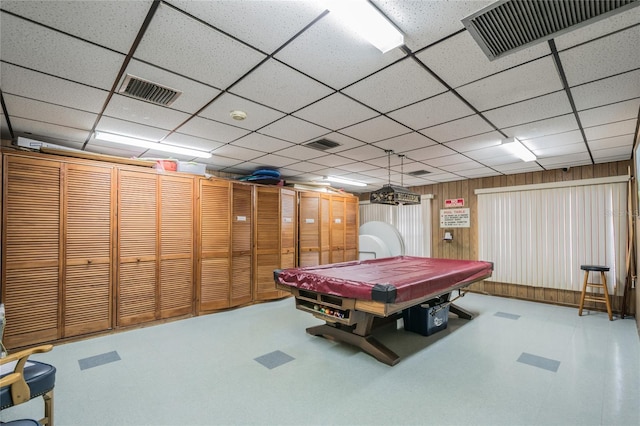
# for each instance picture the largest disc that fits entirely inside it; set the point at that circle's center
(88, 217)
(215, 253)
(267, 234)
(352, 206)
(241, 244)
(137, 247)
(337, 229)
(309, 229)
(288, 228)
(325, 229)
(31, 264)
(176, 246)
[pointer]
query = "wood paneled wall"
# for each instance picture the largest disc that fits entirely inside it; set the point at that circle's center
(465, 240)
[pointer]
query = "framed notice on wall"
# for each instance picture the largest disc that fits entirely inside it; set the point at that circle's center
(455, 218)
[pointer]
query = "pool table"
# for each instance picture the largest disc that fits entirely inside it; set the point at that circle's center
(352, 297)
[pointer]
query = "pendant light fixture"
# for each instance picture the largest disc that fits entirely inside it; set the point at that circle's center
(392, 194)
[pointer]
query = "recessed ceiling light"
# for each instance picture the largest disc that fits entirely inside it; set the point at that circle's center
(238, 115)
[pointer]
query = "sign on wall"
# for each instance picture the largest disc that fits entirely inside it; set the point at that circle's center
(454, 202)
(455, 218)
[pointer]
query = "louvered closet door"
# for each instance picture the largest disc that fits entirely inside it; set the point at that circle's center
(267, 234)
(325, 229)
(242, 244)
(176, 246)
(31, 241)
(215, 258)
(137, 225)
(352, 205)
(309, 229)
(337, 229)
(88, 271)
(288, 228)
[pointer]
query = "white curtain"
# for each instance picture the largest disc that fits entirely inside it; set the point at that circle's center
(413, 222)
(540, 237)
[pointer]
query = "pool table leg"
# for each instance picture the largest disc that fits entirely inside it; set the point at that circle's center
(367, 343)
(461, 313)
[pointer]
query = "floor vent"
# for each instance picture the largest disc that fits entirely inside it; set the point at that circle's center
(419, 173)
(510, 25)
(322, 144)
(145, 90)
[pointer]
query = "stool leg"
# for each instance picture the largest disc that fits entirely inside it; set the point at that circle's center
(606, 295)
(584, 292)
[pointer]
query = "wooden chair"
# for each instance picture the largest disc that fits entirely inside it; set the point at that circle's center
(28, 381)
(602, 285)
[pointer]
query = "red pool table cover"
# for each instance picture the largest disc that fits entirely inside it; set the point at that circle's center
(389, 280)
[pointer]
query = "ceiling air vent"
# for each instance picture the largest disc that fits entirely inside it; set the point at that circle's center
(419, 173)
(145, 90)
(510, 25)
(322, 144)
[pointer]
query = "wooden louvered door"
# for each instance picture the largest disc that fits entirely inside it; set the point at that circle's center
(31, 264)
(214, 263)
(288, 230)
(241, 244)
(309, 229)
(137, 247)
(337, 229)
(89, 209)
(325, 229)
(267, 242)
(352, 206)
(176, 246)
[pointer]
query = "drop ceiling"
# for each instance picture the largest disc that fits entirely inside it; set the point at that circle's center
(301, 76)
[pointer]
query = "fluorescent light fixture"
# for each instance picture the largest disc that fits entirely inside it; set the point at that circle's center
(344, 181)
(515, 147)
(141, 143)
(367, 21)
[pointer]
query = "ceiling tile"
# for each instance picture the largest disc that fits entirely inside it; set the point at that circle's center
(429, 153)
(4, 128)
(603, 57)
(523, 82)
(155, 154)
(472, 143)
(246, 20)
(358, 167)
(267, 161)
(19, 107)
(262, 143)
(626, 127)
(363, 153)
(257, 115)
(448, 160)
(300, 152)
(610, 113)
(209, 129)
(293, 129)
(461, 166)
(30, 84)
(440, 57)
(572, 160)
(550, 126)
(237, 152)
(444, 177)
(188, 141)
(335, 112)
(280, 87)
(331, 52)
(607, 91)
(194, 95)
(430, 112)
(457, 129)
(478, 172)
(559, 139)
(218, 162)
(32, 46)
(597, 29)
(127, 128)
(59, 135)
(396, 86)
(612, 154)
(406, 142)
(126, 108)
(531, 110)
(116, 28)
(375, 130)
(119, 150)
(305, 166)
(425, 22)
(331, 161)
(560, 150)
(518, 167)
(169, 43)
(624, 141)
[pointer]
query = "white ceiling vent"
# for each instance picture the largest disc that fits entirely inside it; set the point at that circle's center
(507, 26)
(419, 173)
(145, 90)
(322, 144)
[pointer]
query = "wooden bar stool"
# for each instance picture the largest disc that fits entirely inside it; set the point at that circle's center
(605, 299)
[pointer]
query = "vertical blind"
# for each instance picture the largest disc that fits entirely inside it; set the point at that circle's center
(540, 237)
(412, 221)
